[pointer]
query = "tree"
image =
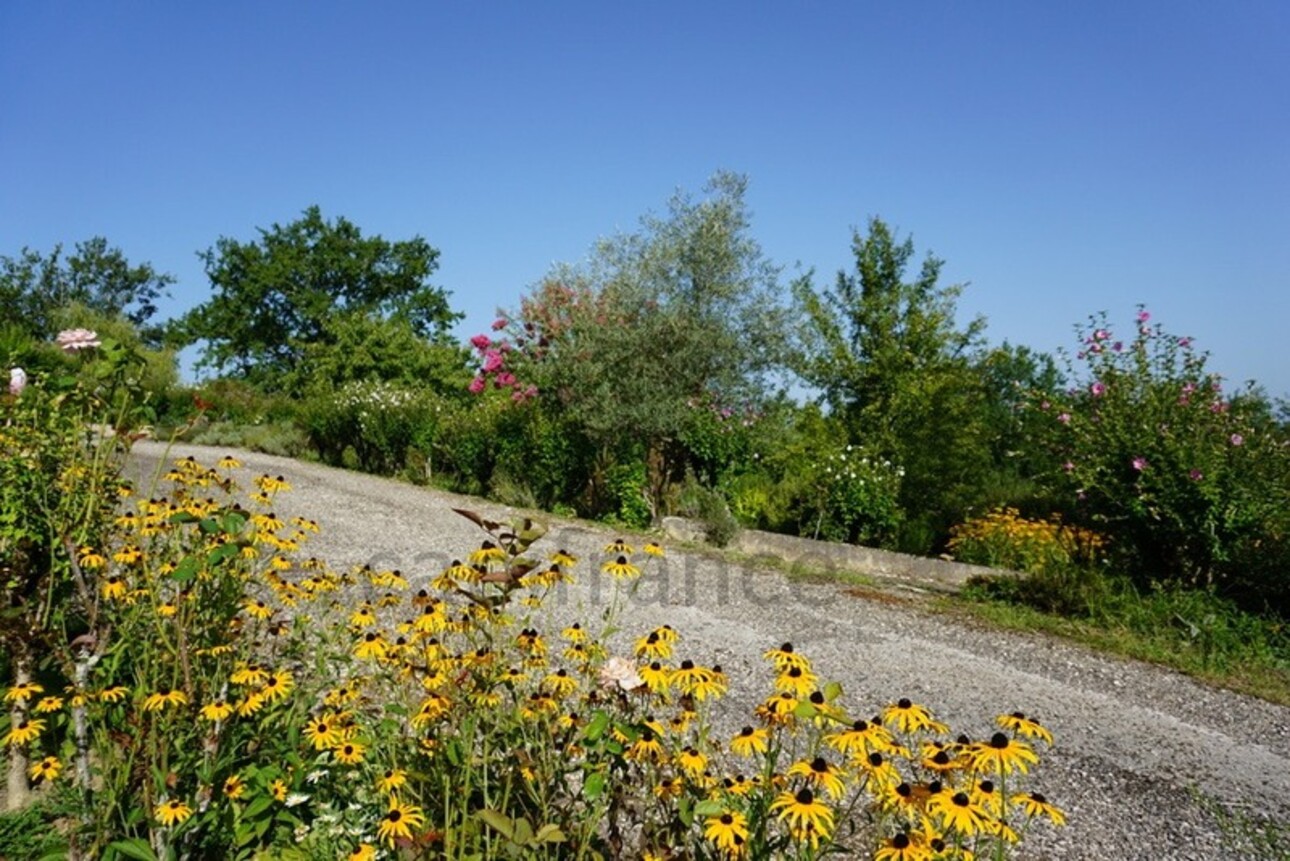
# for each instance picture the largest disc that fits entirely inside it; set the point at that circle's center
(34, 287)
(275, 297)
(657, 327)
(887, 356)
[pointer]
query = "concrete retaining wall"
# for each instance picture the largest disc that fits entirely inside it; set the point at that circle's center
(915, 571)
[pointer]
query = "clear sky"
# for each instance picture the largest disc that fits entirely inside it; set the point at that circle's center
(1063, 158)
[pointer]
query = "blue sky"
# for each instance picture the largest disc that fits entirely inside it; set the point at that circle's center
(1062, 158)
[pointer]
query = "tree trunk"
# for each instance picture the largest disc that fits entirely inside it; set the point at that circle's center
(17, 792)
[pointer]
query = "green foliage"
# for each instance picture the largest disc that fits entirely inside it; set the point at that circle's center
(886, 354)
(275, 297)
(31, 832)
(625, 486)
(381, 422)
(35, 287)
(657, 324)
(1190, 484)
(709, 507)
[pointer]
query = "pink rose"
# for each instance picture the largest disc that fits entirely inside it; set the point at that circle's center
(476, 385)
(480, 342)
(17, 381)
(492, 361)
(499, 324)
(1097, 389)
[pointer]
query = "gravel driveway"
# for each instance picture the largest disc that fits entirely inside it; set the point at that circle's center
(1133, 741)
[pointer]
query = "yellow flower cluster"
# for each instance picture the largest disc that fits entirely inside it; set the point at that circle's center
(1005, 539)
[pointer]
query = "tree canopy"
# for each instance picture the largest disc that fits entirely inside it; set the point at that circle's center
(276, 298)
(34, 287)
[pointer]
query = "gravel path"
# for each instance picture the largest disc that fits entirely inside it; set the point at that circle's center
(1133, 741)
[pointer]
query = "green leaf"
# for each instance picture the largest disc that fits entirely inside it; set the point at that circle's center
(708, 808)
(183, 517)
(219, 554)
(523, 832)
(232, 523)
(186, 570)
(136, 848)
(805, 711)
(498, 821)
(685, 808)
(832, 691)
(594, 786)
(208, 525)
(549, 834)
(595, 729)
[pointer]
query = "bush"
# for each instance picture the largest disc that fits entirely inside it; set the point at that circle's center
(1190, 484)
(380, 422)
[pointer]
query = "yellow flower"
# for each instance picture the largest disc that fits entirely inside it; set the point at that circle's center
(861, 739)
(784, 658)
(89, 558)
(277, 686)
(218, 710)
(349, 753)
(114, 694)
(49, 704)
(750, 742)
(279, 789)
(820, 774)
(959, 813)
(398, 822)
(234, 786)
(323, 731)
(620, 569)
(487, 552)
(1002, 755)
(798, 681)
(574, 633)
(692, 762)
(250, 704)
(164, 697)
(364, 852)
(228, 462)
(257, 609)
(249, 674)
(1029, 727)
(808, 818)
(727, 831)
(46, 769)
(113, 588)
(391, 780)
(23, 732)
(904, 847)
(560, 683)
(654, 549)
(618, 547)
(911, 717)
(371, 646)
(1034, 804)
(172, 812)
(271, 484)
(653, 646)
(564, 558)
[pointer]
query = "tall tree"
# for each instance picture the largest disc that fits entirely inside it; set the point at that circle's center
(35, 287)
(657, 324)
(887, 354)
(275, 297)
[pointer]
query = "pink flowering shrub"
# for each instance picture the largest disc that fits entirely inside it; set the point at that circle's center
(1190, 481)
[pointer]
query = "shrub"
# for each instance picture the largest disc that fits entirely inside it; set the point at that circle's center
(1191, 484)
(381, 422)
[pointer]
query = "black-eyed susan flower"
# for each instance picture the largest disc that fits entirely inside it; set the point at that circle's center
(391, 779)
(728, 831)
(939, 758)
(228, 462)
(808, 819)
(218, 710)
(560, 683)
(652, 646)
(278, 685)
(113, 694)
(904, 846)
(164, 698)
(750, 741)
(687, 676)
(23, 692)
(323, 732)
(908, 716)
(362, 852)
(618, 547)
(653, 548)
(563, 558)
(49, 704)
(1002, 755)
(279, 789)
(1034, 804)
(877, 771)
(860, 739)
(46, 769)
(172, 812)
(90, 559)
(113, 588)
(820, 774)
(256, 608)
(1029, 727)
(646, 748)
(371, 646)
(487, 553)
(364, 616)
(250, 704)
(778, 710)
(349, 752)
(798, 681)
(956, 812)
(249, 674)
(656, 676)
(692, 761)
(234, 787)
(270, 484)
(987, 794)
(398, 821)
(620, 568)
(574, 633)
(668, 787)
(784, 657)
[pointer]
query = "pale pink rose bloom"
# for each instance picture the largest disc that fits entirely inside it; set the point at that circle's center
(1139, 463)
(1236, 439)
(1097, 389)
(75, 340)
(17, 381)
(620, 672)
